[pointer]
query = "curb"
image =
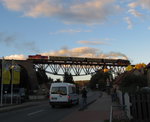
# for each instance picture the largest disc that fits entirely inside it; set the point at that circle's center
(19, 106)
(16, 107)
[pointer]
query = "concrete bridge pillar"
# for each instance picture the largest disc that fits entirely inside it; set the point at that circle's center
(28, 65)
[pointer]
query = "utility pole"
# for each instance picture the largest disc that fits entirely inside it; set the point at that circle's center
(2, 83)
(12, 77)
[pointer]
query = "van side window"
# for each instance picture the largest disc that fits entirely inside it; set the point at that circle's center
(59, 90)
(72, 90)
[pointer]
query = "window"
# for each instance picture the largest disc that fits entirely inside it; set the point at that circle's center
(59, 90)
(72, 90)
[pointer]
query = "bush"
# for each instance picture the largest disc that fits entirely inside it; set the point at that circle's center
(131, 82)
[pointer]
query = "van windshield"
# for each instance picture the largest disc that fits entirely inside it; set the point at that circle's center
(59, 90)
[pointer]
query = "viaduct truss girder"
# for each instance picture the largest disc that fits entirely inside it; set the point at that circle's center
(80, 67)
(76, 70)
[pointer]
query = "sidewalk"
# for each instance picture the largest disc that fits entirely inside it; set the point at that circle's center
(96, 112)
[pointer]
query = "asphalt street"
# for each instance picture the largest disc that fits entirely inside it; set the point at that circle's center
(43, 112)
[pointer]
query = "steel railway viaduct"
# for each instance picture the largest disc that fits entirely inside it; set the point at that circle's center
(76, 66)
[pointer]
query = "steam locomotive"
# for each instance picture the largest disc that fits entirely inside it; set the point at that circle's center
(30, 57)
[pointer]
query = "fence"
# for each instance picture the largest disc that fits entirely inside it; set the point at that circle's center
(138, 106)
(140, 109)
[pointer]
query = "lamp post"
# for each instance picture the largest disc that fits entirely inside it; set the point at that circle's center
(2, 83)
(12, 77)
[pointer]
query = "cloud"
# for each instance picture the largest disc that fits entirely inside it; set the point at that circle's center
(7, 39)
(16, 57)
(140, 9)
(43, 8)
(86, 52)
(129, 22)
(92, 42)
(135, 13)
(84, 12)
(11, 41)
(133, 5)
(82, 51)
(31, 46)
(70, 31)
(73, 31)
(92, 12)
(145, 4)
(15, 5)
(33, 8)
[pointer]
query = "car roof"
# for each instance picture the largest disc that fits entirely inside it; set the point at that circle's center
(62, 84)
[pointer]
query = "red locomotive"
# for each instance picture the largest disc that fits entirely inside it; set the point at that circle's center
(37, 57)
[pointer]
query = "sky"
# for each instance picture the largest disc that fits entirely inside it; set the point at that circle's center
(83, 28)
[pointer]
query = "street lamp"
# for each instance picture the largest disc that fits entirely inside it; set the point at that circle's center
(2, 83)
(12, 77)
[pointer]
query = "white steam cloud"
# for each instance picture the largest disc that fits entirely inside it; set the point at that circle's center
(86, 52)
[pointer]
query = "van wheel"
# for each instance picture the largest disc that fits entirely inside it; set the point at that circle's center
(53, 106)
(77, 102)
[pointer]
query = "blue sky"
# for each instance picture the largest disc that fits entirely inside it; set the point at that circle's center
(85, 28)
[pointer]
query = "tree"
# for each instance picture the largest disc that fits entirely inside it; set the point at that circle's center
(99, 78)
(68, 78)
(41, 76)
(50, 80)
(132, 81)
(58, 81)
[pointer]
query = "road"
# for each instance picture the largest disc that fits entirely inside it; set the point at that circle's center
(43, 112)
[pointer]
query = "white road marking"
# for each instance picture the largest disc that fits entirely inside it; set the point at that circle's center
(30, 114)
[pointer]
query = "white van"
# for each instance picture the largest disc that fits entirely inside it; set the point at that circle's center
(63, 94)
